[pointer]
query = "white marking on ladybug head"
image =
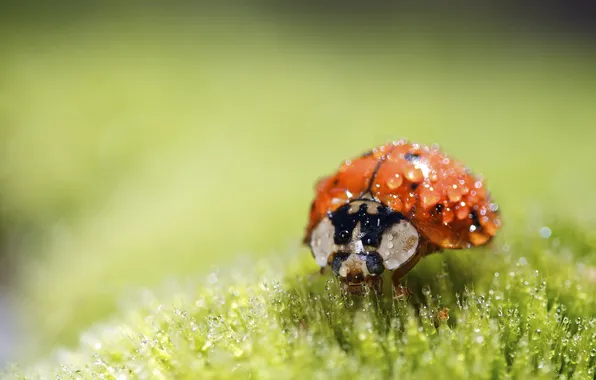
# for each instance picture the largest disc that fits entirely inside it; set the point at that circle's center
(398, 244)
(321, 241)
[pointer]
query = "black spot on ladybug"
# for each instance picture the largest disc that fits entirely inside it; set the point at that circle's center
(438, 209)
(475, 221)
(372, 225)
(312, 206)
(367, 154)
(411, 157)
(335, 182)
(414, 186)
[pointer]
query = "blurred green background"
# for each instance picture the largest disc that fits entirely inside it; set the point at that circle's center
(145, 143)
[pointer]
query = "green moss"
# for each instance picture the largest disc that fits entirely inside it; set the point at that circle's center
(518, 311)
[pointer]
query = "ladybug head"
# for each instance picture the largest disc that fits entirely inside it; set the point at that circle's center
(361, 239)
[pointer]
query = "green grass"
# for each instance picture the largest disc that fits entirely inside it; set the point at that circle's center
(525, 311)
(151, 147)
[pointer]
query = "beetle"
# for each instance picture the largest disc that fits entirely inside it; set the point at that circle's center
(391, 206)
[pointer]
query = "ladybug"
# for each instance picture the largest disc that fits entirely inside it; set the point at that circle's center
(391, 206)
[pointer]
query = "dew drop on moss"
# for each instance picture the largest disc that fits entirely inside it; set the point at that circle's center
(545, 232)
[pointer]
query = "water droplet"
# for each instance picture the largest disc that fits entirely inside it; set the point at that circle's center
(545, 232)
(212, 278)
(429, 198)
(394, 182)
(414, 175)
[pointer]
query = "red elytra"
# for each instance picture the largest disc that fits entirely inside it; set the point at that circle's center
(446, 203)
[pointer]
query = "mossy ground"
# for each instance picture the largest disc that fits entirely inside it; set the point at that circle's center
(521, 310)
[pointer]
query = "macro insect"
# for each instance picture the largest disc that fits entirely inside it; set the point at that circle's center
(391, 206)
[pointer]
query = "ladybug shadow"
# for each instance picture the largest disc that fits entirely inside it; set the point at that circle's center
(442, 278)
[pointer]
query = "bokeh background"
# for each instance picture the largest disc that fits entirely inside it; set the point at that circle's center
(146, 142)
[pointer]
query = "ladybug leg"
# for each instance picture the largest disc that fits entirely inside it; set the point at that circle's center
(399, 273)
(431, 248)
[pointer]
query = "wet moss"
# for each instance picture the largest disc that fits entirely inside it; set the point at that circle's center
(521, 310)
